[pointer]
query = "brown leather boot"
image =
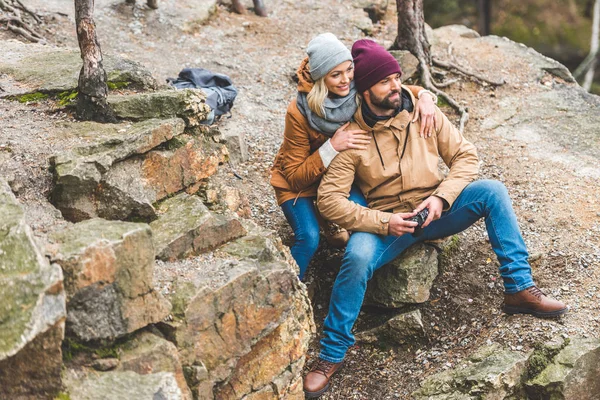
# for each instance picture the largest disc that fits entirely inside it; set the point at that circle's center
(316, 381)
(533, 301)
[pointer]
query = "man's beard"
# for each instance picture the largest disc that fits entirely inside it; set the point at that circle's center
(385, 102)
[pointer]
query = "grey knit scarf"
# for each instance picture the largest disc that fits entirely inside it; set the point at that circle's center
(338, 111)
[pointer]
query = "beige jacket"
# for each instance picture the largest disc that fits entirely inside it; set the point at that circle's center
(396, 172)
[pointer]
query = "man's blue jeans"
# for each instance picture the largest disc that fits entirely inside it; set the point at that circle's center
(366, 252)
(301, 214)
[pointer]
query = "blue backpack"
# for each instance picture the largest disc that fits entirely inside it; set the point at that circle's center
(219, 89)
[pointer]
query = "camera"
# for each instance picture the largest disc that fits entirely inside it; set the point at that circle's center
(420, 219)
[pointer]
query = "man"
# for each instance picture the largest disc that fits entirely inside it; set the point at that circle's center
(398, 174)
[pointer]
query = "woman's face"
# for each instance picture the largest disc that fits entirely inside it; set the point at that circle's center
(338, 79)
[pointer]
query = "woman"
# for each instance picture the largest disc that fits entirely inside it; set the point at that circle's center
(315, 131)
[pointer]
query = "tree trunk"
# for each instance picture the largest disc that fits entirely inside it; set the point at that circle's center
(411, 29)
(91, 99)
(589, 76)
(484, 16)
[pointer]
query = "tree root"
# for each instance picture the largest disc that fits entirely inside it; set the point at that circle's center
(451, 66)
(10, 14)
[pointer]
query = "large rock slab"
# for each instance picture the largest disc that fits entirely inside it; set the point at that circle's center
(398, 330)
(544, 122)
(32, 309)
(120, 176)
(242, 325)
(108, 268)
(406, 280)
(122, 385)
(189, 104)
(186, 227)
(31, 68)
(490, 373)
(574, 373)
(149, 353)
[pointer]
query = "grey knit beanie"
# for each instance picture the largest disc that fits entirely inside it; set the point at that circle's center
(324, 53)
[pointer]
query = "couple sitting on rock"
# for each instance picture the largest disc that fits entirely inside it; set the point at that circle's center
(373, 175)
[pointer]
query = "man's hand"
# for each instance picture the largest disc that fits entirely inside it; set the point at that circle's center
(435, 205)
(398, 226)
(350, 139)
(425, 110)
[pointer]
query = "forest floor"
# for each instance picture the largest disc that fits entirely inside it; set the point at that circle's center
(558, 207)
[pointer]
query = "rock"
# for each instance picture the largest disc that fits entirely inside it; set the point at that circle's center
(398, 330)
(363, 23)
(532, 120)
(148, 353)
(32, 309)
(259, 244)
(491, 373)
(406, 280)
(26, 69)
(108, 267)
(105, 364)
(119, 176)
(122, 385)
(186, 227)
(247, 322)
(189, 104)
(573, 373)
(408, 63)
(236, 144)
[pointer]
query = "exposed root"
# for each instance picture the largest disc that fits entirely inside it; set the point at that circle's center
(450, 65)
(10, 14)
(428, 83)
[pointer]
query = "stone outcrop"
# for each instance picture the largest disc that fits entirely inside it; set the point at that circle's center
(406, 280)
(122, 171)
(32, 309)
(186, 227)
(398, 330)
(242, 324)
(108, 267)
(189, 104)
(573, 373)
(490, 373)
(556, 370)
(149, 353)
(122, 385)
(50, 70)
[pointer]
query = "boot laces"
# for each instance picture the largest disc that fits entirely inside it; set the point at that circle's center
(323, 366)
(534, 290)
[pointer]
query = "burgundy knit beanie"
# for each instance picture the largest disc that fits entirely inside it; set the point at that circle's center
(372, 63)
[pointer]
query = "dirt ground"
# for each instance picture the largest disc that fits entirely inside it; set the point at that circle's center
(559, 210)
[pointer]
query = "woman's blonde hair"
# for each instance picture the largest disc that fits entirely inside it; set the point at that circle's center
(316, 97)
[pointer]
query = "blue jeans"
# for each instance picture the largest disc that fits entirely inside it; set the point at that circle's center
(366, 252)
(301, 214)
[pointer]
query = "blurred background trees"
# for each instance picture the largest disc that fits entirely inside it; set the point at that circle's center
(560, 29)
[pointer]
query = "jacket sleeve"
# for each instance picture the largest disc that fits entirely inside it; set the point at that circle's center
(333, 203)
(459, 155)
(300, 168)
(415, 90)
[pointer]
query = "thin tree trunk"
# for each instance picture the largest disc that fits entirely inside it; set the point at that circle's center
(411, 29)
(485, 16)
(91, 99)
(589, 76)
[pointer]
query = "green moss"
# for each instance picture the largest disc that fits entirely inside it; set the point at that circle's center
(29, 97)
(67, 97)
(117, 85)
(63, 396)
(71, 347)
(542, 356)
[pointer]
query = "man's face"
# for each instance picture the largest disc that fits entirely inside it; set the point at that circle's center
(385, 94)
